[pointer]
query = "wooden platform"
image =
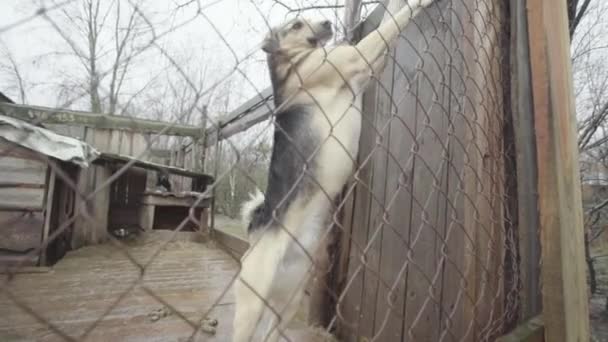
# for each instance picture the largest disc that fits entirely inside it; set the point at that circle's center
(83, 286)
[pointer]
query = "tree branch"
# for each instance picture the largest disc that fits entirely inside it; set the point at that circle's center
(576, 19)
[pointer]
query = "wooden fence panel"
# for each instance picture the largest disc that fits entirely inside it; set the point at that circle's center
(427, 230)
(22, 183)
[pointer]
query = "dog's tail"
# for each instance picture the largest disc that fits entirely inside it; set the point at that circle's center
(255, 201)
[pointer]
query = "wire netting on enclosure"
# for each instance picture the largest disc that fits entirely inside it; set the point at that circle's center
(121, 190)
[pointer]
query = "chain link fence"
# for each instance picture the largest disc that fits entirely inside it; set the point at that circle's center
(421, 245)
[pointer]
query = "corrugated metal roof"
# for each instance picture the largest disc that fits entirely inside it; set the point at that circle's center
(47, 142)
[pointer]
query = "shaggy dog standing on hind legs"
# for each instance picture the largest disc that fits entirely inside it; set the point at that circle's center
(317, 128)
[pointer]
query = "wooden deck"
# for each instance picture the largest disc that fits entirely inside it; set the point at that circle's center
(85, 286)
(87, 283)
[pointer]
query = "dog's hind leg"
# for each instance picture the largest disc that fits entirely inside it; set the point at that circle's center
(275, 330)
(249, 309)
(288, 292)
(254, 285)
(298, 264)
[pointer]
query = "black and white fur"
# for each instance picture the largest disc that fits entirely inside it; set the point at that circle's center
(317, 128)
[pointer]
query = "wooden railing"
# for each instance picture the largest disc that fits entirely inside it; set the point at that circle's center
(47, 115)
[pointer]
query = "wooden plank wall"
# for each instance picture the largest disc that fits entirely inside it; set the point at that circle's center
(22, 175)
(425, 232)
(95, 213)
(61, 227)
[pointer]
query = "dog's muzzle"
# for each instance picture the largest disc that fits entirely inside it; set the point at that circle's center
(323, 33)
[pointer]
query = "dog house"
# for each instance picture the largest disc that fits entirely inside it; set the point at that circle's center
(38, 170)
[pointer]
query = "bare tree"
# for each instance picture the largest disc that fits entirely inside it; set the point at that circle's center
(12, 72)
(588, 32)
(105, 37)
(576, 11)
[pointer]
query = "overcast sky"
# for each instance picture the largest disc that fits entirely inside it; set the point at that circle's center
(46, 62)
(45, 59)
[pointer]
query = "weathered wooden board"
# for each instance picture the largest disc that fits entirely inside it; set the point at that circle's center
(20, 230)
(95, 120)
(230, 243)
(182, 201)
(189, 276)
(349, 309)
(564, 286)
(372, 248)
(21, 171)
(527, 177)
(127, 189)
(427, 237)
(484, 179)
(452, 283)
(21, 198)
(90, 226)
(67, 130)
(532, 330)
(393, 244)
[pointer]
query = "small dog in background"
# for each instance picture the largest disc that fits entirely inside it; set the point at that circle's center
(316, 140)
(163, 180)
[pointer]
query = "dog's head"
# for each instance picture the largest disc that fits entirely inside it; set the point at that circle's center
(298, 34)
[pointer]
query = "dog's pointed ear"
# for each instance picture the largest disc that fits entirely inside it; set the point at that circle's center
(270, 43)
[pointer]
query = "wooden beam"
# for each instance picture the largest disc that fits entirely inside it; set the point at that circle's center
(160, 153)
(4, 207)
(9, 184)
(252, 112)
(48, 212)
(173, 201)
(527, 177)
(529, 331)
(25, 270)
(564, 290)
(259, 100)
(230, 243)
(47, 115)
(105, 158)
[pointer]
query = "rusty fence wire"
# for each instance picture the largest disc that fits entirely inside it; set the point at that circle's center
(421, 243)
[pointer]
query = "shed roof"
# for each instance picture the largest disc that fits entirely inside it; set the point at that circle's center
(46, 142)
(123, 159)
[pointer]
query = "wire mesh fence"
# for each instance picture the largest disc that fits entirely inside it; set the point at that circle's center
(419, 244)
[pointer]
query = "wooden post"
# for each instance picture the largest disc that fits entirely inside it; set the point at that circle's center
(146, 217)
(352, 15)
(218, 153)
(204, 222)
(198, 148)
(48, 212)
(91, 223)
(564, 289)
(530, 331)
(527, 176)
